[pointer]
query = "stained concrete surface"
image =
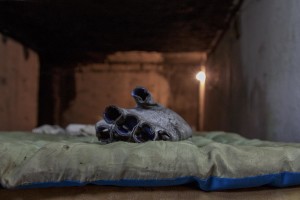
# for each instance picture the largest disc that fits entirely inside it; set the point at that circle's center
(254, 73)
(270, 46)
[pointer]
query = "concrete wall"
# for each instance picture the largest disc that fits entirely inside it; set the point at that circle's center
(258, 88)
(19, 68)
(223, 90)
(169, 76)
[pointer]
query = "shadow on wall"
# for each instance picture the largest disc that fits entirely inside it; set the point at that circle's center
(233, 103)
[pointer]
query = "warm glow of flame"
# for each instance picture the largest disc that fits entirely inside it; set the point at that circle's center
(200, 76)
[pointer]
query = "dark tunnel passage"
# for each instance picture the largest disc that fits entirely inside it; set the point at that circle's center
(66, 66)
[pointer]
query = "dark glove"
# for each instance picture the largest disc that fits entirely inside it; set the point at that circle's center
(149, 121)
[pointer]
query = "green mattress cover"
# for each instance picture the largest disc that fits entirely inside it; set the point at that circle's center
(32, 159)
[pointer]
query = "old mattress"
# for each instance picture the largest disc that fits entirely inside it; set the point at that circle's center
(212, 161)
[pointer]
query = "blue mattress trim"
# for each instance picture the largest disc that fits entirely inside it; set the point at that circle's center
(283, 179)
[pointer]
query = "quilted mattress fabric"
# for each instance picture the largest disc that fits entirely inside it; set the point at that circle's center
(212, 161)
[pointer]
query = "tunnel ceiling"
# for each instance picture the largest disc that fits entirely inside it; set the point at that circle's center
(61, 28)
